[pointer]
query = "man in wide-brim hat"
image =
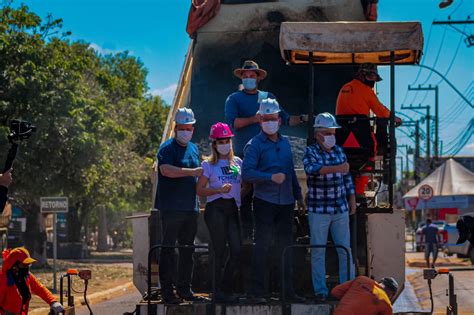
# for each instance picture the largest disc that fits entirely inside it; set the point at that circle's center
(241, 115)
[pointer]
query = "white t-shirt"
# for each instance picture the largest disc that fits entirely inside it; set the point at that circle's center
(222, 173)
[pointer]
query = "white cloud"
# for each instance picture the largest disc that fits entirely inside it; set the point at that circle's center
(166, 93)
(105, 51)
(470, 146)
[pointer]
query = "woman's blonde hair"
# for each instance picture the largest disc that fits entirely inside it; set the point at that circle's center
(214, 156)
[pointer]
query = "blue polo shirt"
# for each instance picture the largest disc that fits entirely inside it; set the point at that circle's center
(244, 105)
(177, 194)
(262, 158)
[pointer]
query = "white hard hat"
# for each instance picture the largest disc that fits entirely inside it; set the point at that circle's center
(184, 116)
(325, 121)
(268, 106)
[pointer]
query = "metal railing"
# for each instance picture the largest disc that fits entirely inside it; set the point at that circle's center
(151, 308)
(284, 304)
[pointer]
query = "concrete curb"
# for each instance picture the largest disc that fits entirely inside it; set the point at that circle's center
(93, 298)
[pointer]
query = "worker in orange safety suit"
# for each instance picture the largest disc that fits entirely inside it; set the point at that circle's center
(17, 284)
(364, 296)
(357, 97)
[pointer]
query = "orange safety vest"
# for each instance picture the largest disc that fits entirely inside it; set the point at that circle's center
(361, 296)
(10, 298)
(356, 98)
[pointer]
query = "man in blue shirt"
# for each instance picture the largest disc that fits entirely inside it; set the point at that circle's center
(178, 168)
(240, 113)
(432, 239)
(268, 165)
(331, 197)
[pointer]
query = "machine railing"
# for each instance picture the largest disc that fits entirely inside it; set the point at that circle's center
(152, 307)
(284, 305)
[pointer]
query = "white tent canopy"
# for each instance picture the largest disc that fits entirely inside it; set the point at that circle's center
(452, 184)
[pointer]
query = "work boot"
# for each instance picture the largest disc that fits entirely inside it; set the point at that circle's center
(258, 300)
(295, 298)
(321, 298)
(171, 298)
(224, 298)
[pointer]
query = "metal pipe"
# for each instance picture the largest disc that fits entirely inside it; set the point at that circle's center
(392, 128)
(283, 278)
(436, 148)
(310, 100)
(150, 256)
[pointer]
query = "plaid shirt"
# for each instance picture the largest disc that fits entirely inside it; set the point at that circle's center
(326, 193)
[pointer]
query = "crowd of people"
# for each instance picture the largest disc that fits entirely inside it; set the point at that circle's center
(252, 193)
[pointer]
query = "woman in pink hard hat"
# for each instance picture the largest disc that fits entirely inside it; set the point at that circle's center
(220, 184)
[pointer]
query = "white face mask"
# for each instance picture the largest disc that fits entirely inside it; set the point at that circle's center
(223, 149)
(184, 136)
(329, 141)
(270, 127)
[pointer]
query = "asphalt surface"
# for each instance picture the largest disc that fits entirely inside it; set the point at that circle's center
(116, 306)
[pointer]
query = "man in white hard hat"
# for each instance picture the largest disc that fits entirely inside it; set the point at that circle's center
(240, 113)
(268, 165)
(331, 198)
(178, 169)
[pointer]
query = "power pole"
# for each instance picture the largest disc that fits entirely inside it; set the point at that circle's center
(469, 40)
(428, 136)
(417, 151)
(432, 88)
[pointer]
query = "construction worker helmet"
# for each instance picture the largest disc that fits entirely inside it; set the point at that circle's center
(184, 116)
(370, 70)
(325, 121)
(269, 106)
(220, 131)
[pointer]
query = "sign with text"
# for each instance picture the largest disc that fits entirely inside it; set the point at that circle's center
(54, 204)
(425, 192)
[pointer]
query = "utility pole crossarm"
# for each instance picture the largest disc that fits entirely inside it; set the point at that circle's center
(436, 116)
(449, 22)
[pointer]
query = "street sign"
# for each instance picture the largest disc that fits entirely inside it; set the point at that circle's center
(413, 202)
(54, 204)
(425, 192)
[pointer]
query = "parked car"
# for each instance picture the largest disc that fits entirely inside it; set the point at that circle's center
(464, 250)
(441, 227)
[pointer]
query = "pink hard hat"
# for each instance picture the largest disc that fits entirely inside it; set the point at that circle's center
(220, 130)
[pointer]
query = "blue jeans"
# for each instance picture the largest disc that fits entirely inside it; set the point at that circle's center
(319, 225)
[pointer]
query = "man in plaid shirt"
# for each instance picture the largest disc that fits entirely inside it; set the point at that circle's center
(331, 198)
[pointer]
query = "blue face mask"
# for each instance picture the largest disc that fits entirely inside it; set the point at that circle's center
(249, 83)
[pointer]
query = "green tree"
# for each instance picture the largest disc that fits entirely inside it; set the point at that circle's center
(97, 128)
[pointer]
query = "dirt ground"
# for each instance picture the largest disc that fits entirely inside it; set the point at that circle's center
(105, 275)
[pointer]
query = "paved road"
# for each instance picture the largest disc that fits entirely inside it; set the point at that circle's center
(115, 306)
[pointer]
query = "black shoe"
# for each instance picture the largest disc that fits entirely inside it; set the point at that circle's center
(321, 298)
(258, 300)
(294, 298)
(226, 298)
(171, 298)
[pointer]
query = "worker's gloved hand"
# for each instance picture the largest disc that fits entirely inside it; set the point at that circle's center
(57, 308)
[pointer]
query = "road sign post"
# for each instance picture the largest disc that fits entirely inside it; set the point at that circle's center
(54, 205)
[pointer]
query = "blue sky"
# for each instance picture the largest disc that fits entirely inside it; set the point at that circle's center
(154, 31)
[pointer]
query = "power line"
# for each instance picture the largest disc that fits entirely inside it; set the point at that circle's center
(437, 56)
(454, 58)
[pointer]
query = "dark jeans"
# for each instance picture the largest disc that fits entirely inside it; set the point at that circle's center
(246, 215)
(271, 221)
(222, 220)
(178, 226)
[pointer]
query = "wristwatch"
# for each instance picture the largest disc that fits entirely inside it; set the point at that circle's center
(302, 118)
